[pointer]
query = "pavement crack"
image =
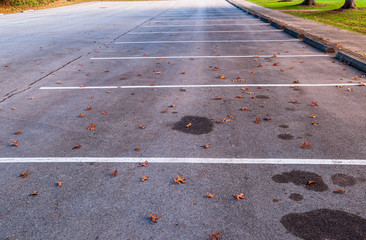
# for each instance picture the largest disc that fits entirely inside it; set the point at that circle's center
(21, 90)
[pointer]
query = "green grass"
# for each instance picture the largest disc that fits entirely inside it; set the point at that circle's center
(351, 19)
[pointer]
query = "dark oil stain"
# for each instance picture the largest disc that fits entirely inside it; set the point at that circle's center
(290, 109)
(285, 136)
(343, 180)
(182, 90)
(132, 93)
(324, 224)
(301, 178)
(296, 89)
(296, 197)
(283, 126)
(308, 135)
(175, 112)
(275, 200)
(200, 125)
(262, 106)
(262, 97)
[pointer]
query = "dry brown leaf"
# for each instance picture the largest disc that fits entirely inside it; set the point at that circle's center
(91, 126)
(306, 145)
(210, 195)
(144, 164)
(143, 179)
(24, 174)
(154, 218)
(14, 143)
(88, 108)
(215, 235)
(180, 180)
(276, 63)
(239, 196)
(314, 123)
(59, 184)
(114, 173)
(189, 125)
(19, 132)
(218, 98)
(239, 96)
(257, 120)
(81, 115)
(105, 113)
(137, 148)
(164, 111)
(312, 116)
(221, 76)
(183, 73)
(294, 102)
(244, 109)
(34, 193)
(206, 146)
(142, 127)
(339, 191)
(310, 182)
(297, 81)
(31, 98)
(76, 146)
(172, 106)
(58, 82)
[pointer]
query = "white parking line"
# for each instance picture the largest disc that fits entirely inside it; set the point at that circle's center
(197, 57)
(289, 161)
(203, 86)
(194, 25)
(203, 20)
(214, 41)
(236, 31)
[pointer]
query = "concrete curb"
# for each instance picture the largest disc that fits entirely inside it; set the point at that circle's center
(358, 64)
(293, 33)
(351, 61)
(319, 46)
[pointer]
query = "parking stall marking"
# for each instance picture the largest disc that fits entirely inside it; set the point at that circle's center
(203, 86)
(214, 41)
(282, 161)
(235, 31)
(197, 57)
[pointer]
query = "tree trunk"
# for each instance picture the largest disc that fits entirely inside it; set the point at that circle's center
(349, 4)
(309, 2)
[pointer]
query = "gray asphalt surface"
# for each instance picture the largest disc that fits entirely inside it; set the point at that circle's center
(63, 47)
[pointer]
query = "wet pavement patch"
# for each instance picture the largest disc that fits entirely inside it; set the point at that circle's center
(301, 178)
(285, 136)
(194, 125)
(262, 97)
(296, 197)
(324, 224)
(283, 126)
(343, 180)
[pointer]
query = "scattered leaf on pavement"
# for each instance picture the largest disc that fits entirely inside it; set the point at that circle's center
(239, 196)
(24, 174)
(210, 195)
(154, 218)
(14, 143)
(76, 146)
(143, 179)
(180, 180)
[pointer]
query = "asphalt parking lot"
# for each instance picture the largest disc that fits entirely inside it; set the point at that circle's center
(198, 89)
